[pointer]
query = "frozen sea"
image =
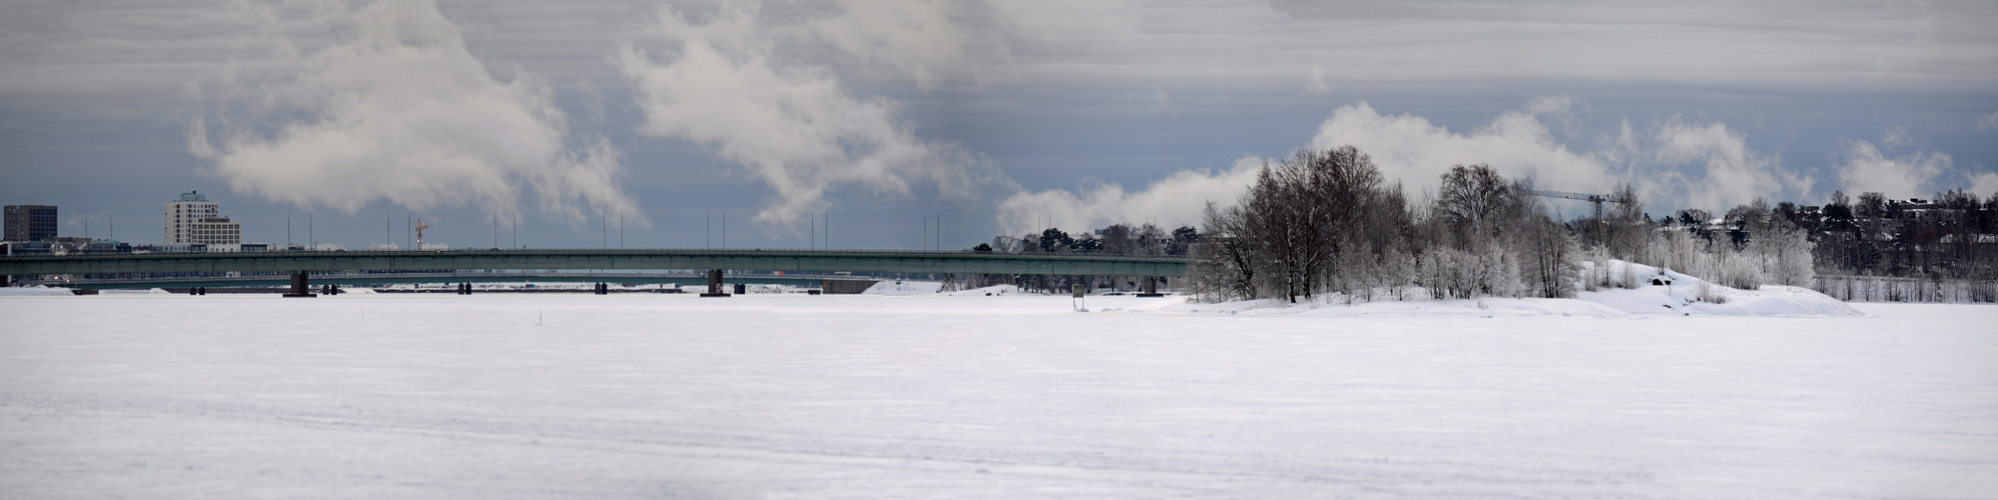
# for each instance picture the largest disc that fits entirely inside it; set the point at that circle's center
(794, 396)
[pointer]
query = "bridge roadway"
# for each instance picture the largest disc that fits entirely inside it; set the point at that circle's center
(808, 280)
(660, 259)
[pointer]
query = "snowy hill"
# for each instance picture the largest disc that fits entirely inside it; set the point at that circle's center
(1666, 292)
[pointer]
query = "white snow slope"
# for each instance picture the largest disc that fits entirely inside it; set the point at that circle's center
(1009, 396)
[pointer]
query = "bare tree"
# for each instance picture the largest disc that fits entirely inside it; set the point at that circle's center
(1474, 200)
(1224, 263)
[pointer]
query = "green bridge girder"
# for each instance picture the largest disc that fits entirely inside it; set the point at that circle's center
(390, 279)
(753, 260)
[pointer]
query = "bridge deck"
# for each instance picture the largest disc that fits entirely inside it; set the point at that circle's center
(471, 277)
(756, 260)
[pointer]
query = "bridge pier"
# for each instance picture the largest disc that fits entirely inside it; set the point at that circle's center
(715, 284)
(301, 286)
(1151, 287)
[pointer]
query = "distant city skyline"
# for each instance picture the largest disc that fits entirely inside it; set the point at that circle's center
(992, 116)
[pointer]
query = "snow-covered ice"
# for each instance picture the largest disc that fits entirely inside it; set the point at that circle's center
(37, 290)
(902, 287)
(968, 395)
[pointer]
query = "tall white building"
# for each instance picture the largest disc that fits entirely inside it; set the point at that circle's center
(194, 219)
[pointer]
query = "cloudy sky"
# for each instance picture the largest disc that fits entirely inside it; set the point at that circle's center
(995, 116)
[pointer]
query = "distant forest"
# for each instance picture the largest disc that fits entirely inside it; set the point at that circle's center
(1327, 222)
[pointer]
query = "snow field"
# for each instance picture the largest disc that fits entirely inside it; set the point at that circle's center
(1008, 396)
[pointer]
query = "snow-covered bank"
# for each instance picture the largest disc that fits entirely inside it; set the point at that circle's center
(37, 290)
(902, 287)
(1652, 291)
(1003, 396)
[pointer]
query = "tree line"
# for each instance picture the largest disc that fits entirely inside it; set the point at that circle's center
(1325, 222)
(1114, 239)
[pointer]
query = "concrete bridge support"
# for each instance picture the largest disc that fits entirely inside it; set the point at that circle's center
(1151, 287)
(301, 286)
(715, 284)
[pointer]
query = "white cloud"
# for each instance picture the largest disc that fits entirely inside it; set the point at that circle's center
(1731, 174)
(1866, 170)
(922, 38)
(1173, 201)
(795, 127)
(935, 41)
(401, 111)
(1416, 152)
(1988, 122)
(1984, 184)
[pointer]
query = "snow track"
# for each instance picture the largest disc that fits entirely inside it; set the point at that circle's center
(973, 396)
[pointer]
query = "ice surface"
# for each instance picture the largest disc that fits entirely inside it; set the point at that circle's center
(903, 287)
(1005, 396)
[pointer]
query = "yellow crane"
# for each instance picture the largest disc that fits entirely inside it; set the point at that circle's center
(420, 226)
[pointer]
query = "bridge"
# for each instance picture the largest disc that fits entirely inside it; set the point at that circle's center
(300, 263)
(475, 276)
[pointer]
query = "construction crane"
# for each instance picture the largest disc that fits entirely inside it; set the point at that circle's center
(1597, 199)
(420, 226)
